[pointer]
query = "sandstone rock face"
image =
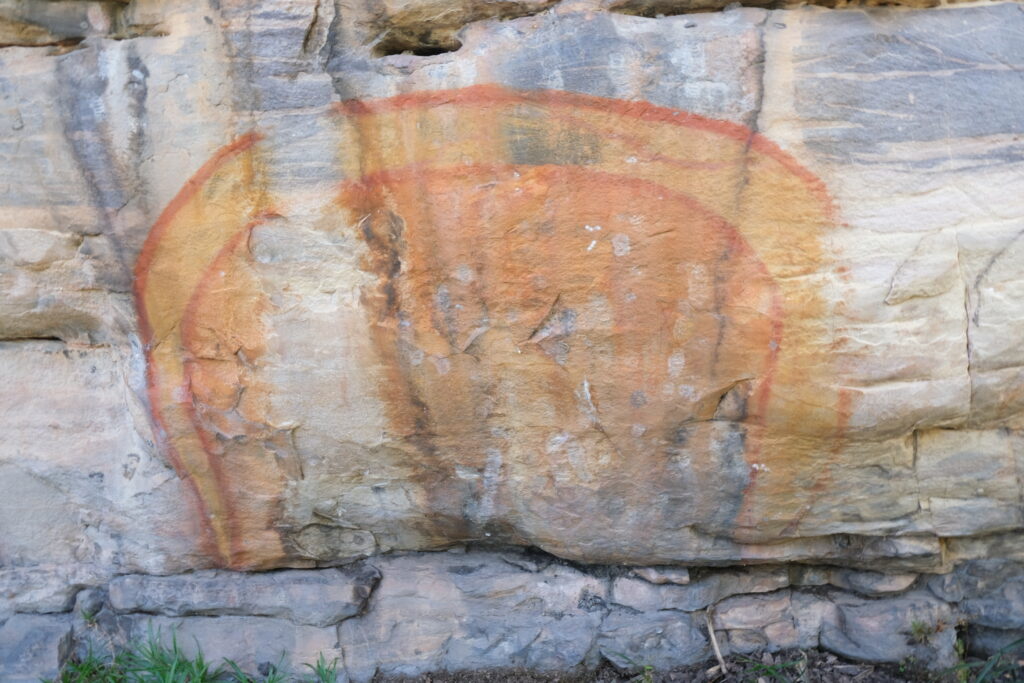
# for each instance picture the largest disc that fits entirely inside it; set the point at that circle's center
(294, 284)
(626, 289)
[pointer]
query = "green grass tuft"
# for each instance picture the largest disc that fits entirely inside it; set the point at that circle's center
(153, 661)
(324, 672)
(774, 672)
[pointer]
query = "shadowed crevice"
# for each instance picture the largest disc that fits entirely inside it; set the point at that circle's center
(66, 23)
(432, 28)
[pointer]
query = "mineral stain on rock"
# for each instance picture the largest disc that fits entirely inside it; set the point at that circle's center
(583, 313)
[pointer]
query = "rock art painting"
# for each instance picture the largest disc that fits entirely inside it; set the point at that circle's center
(576, 314)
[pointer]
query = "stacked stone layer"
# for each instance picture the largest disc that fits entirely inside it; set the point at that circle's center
(427, 612)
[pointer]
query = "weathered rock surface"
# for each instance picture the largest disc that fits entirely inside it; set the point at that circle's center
(316, 598)
(43, 590)
(663, 575)
(912, 625)
(450, 612)
(773, 621)
(990, 591)
(683, 295)
(33, 647)
(661, 639)
(698, 594)
(294, 284)
(870, 583)
(455, 611)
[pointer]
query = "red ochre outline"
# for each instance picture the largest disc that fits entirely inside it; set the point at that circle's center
(189, 190)
(188, 330)
(491, 93)
(473, 95)
(192, 186)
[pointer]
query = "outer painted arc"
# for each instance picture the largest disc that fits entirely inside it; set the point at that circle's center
(141, 280)
(638, 109)
(191, 187)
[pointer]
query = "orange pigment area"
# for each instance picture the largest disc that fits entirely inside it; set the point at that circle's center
(475, 205)
(562, 303)
(601, 301)
(556, 277)
(199, 317)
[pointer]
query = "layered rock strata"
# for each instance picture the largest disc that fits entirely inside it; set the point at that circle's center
(712, 288)
(295, 284)
(425, 612)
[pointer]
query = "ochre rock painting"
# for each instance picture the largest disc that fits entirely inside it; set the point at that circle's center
(580, 314)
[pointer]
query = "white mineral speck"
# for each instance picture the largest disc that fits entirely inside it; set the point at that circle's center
(620, 244)
(676, 363)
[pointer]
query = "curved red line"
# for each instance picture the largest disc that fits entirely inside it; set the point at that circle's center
(187, 332)
(141, 277)
(163, 221)
(492, 93)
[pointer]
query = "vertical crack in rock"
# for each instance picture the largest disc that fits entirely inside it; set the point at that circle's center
(915, 437)
(311, 31)
(593, 656)
(316, 41)
(753, 122)
(243, 94)
(376, 576)
(973, 296)
(968, 322)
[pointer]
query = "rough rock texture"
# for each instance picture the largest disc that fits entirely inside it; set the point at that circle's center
(33, 646)
(292, 284)
(724, 287)
(456, 611)
(452, 612)
(313, 598)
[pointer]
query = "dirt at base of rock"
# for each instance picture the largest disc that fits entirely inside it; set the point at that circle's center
(791, 666)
